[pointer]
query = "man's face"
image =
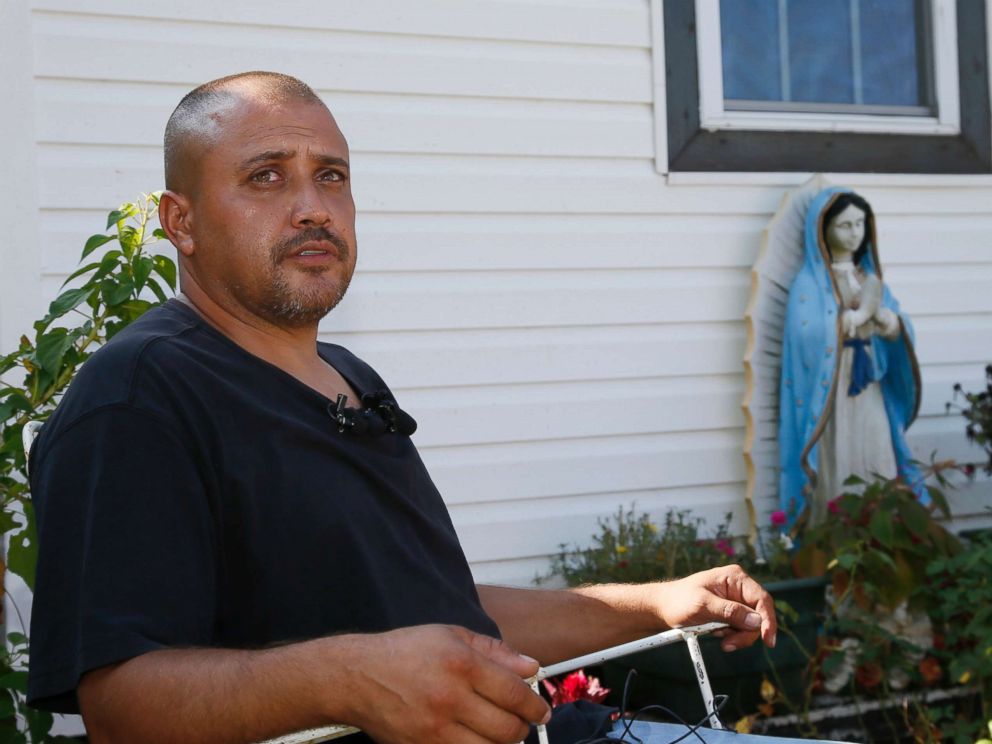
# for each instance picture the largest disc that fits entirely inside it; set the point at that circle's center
(273, 219)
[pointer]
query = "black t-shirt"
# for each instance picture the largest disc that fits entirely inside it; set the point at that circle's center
(189, 494)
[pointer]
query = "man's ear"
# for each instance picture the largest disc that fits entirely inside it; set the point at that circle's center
(176, 219)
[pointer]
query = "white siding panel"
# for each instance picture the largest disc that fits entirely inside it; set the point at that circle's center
(113, 113)
(541, 412)
(595, 22)
(515, 472)
(556, 354)
(83, 46)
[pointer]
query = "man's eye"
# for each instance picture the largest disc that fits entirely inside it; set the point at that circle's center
(264, 176)
(334, 176)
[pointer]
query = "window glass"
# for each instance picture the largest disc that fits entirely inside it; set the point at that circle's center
(834, 54)
(752, 64)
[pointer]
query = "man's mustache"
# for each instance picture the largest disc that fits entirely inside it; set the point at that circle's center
(311, 234)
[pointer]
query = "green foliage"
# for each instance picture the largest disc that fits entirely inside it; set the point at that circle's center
(978, 414)
(879, 540)
(959, 595)
(113, 292)
(631, 548)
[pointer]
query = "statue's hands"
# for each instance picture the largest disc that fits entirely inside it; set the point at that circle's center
(442, 683)
(852, 320)
(887, 322)
(725, 594)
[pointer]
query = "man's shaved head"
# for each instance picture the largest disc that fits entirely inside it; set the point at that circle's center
(196, 121)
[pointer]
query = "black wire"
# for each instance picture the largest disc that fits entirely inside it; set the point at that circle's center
(719, 702)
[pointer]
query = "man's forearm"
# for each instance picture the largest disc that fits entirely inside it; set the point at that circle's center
(552, 625)
(218, 695)
(436, 683)
(555, 625)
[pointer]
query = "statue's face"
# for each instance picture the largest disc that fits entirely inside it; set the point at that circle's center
(845, 233)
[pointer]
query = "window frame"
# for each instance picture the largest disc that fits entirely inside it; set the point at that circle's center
(700, 136)
(714, 115)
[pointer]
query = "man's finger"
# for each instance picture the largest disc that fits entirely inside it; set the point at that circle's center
(503, 654)
(737, 615)
(492, 722)
(757, 597)
(509, 693)
(738, 639)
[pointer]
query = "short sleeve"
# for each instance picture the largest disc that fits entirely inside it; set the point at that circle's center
(127, 555)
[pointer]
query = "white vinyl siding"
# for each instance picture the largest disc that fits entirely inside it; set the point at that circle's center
(565, 323)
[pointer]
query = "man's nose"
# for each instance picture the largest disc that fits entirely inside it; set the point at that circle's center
(309, 209)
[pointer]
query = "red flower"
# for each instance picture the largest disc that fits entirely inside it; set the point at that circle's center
(869, 675)
(576, 686)
(779, 518)
(724, 547)
(622, 564)
(833, 506)
(930, 670)
(938, 640)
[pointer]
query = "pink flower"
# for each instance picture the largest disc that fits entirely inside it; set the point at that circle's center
(779, 518)
(833, 506)
(576, 686)
(724, 547)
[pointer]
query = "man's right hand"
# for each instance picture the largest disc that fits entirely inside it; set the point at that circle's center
(441, 684)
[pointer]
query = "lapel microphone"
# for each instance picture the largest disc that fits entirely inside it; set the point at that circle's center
(378, 415)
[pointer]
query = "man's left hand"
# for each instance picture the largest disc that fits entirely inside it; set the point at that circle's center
(725, 594)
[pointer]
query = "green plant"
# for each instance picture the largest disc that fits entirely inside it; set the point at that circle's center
(879, 539)
(115, 290)
(959, 595)
(978, 414)
(631, 548)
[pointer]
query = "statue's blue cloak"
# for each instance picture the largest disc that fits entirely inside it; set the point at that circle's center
(810, 367)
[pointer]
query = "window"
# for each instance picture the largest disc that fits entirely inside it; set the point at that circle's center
(827, 85)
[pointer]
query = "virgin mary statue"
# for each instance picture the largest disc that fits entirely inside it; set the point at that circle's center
(850, 383)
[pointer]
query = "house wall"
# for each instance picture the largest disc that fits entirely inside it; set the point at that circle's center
(565, 323)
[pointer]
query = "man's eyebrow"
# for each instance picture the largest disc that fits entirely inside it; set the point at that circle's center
(279, 155)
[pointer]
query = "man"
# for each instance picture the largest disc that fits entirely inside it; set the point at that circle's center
(222, 558)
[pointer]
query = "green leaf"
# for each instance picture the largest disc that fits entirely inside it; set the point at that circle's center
(94, 242)
(160, 234)
(15, 681)
(915, 517)
(157, 289)
(129, 240)
(115, 293)
(166, 269)
(881, 527)
(22, 549)
(51, 348)
(134, 309)
(847, 561)
(940, 501)
(68, 300)
(39, 723)
(125, 210)
(116, 216)
(81, 271)
(7, 709)
(16, 401)
(142, 270)
(16, 639)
